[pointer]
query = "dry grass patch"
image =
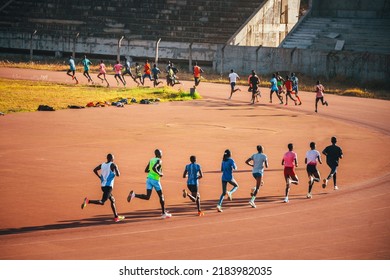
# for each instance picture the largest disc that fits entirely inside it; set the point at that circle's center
(26, 96)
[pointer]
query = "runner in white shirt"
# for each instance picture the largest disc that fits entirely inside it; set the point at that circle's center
(108, 171)
(233, 79)
(258, 161)
(312, 157)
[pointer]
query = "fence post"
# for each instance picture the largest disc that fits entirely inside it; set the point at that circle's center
(31, 44)
(118, 56)
(156, 58)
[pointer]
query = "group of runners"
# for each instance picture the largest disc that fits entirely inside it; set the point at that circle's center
(141, 73)
(107, 171)
(120, 71)
(279, 86)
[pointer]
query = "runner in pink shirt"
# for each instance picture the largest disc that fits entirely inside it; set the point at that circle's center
(118, 73)
(290, 161)
(320, 94)
(102, 71)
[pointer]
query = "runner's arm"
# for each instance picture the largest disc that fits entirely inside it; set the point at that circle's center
(200, 174)
(248, 161)
(115, 169)
(97, 168)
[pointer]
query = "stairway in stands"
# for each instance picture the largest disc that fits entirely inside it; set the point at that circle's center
(336, 33)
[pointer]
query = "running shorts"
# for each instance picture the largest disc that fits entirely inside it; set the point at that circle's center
(289, 172)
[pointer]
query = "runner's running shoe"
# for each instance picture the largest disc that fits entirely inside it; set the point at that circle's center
(130, 196)
(166, 215)
(119, 218)
(85, 202)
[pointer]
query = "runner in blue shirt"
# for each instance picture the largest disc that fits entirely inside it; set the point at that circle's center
(227, 167)
(72, 69)
(274, 88)
(155, 72)
(193, 172)
(294, 79)
(86, 62)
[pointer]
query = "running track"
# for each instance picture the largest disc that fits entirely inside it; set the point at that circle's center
(46, 162)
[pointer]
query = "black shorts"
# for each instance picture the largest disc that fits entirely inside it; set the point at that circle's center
(193, 188)
(106, 193)
(311, 169)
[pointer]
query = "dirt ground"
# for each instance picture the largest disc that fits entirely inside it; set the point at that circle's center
(47, 158)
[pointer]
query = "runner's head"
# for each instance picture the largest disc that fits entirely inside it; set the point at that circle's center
(226, 155)
(110, 157)
(290, 146)
(158, 153)
(333, 140)
(312, 145)
(259, 148)
(192, 159)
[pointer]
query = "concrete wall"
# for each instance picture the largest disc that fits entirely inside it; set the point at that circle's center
(362, 67)
(108, 47)
(268, 25)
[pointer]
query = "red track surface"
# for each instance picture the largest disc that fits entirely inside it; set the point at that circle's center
(46, 162)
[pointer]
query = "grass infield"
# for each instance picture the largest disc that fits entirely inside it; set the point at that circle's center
(26, 96)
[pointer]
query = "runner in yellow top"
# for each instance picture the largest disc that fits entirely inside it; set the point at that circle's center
(154, 170)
